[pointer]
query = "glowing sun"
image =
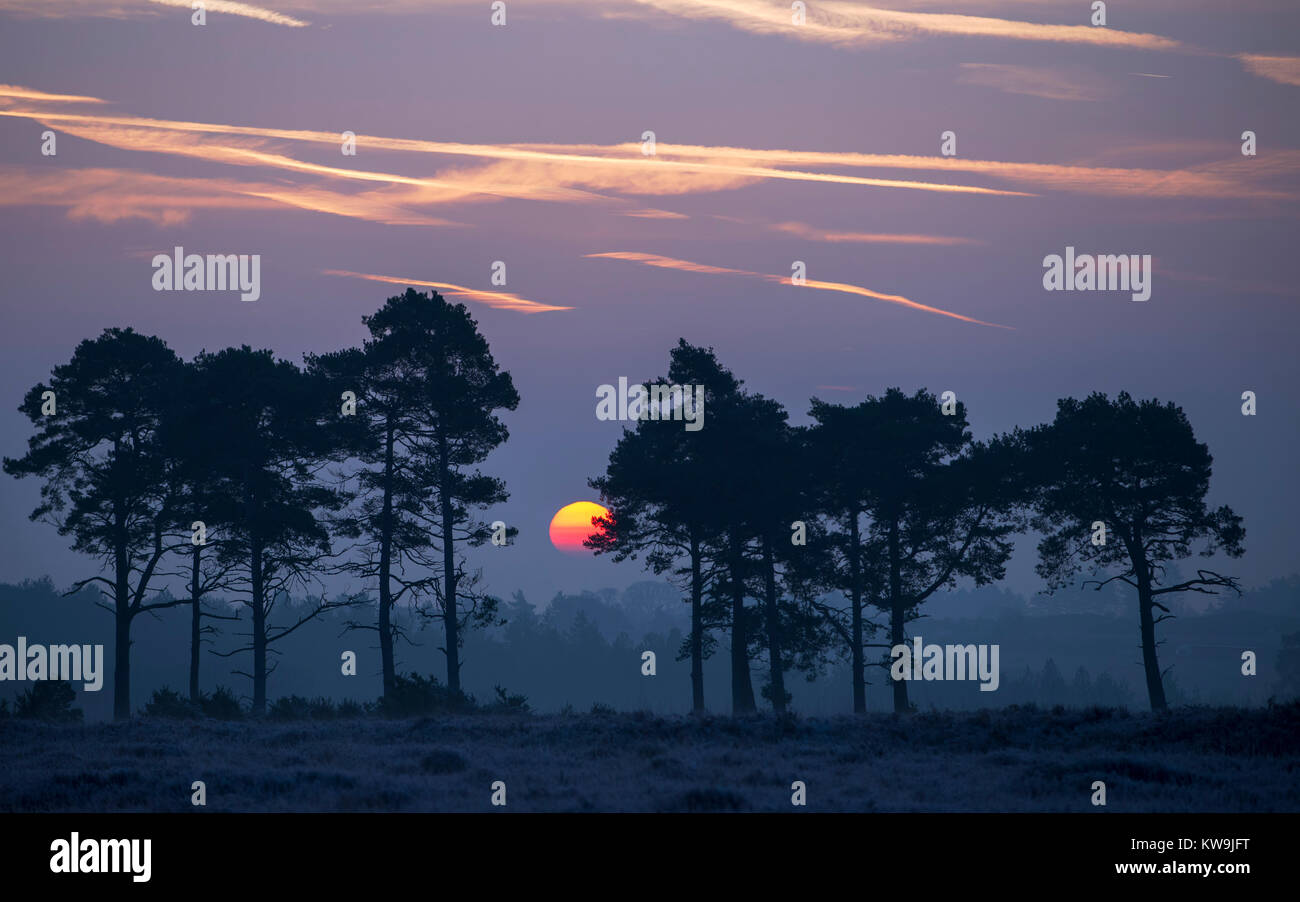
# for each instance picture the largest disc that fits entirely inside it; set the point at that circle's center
(572, 524)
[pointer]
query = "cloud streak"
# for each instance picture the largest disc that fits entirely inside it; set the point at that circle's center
(595, 174)
(851, 24)
(1284, 70)
(231, 8)
(624, 168)
(812, 233)
(110, 195)
(499, 300)
(661, 262)
(1032, 81)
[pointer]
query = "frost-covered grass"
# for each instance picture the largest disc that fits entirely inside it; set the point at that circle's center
(1192, 759)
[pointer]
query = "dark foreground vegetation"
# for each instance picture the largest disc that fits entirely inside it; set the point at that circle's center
(324, 759)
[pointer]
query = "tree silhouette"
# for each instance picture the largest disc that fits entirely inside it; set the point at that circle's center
(657, 488)
(942, 507)
(277, 429)
(396, 410)
(841, 483)
(107, 475)
(1137, 468)
(763, 494)
(462, 391)
(199, 492)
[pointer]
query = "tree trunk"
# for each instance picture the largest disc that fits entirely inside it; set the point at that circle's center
(742, 688)
(697, 630)
(196, 625)
(385, 569)
(777, 670)
(259, 632)
(122, 637)
(1146, 612)
(897, 614)
(122, 665)
(855, 598)
(449, 614)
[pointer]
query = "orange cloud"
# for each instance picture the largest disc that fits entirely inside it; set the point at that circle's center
(1281, 69)
(651, 213)
(112, 195)
(816, 234)
(669, 263)
(230, 8)
(857, 24)
(500, 300)
(845, 288)
(20, 93)
(620, 167)
(579, 173)
(1034, 81)
(842, 287)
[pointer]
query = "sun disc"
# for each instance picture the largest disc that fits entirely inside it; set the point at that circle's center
(571, 525)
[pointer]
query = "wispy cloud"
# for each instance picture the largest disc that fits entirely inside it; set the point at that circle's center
(1232, 285)
(113, 195)
(1224, 179)
(230, 8)
(1034, 81)
(537, 172)
(812, 233)
(845, 23)
(651, 213)
(500, 300)
(609, 175)
(110, 195)
(16, 92)
(663, 262)
(841, 23)
(1282, 69)
(670, 263)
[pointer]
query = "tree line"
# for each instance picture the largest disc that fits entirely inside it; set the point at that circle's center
(247, 475)
(877, 506)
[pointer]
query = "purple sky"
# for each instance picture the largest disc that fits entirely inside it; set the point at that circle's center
(552, 107)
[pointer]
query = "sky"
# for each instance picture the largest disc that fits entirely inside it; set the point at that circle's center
(773, 142)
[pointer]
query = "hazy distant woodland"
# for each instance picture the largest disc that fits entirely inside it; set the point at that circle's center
(585, 649)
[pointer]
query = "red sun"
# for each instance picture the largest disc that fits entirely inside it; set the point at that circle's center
(571, 525)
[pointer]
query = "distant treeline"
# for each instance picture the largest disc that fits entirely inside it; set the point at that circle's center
(243, 476)
(584, 650)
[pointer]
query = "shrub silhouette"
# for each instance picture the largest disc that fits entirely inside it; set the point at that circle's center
(48, 700)
(351, 708)
(290, 707)
(166, 703)
(221, 705)
(414, 694)
(508, 703)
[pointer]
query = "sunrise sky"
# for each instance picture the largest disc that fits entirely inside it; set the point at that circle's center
(773, 143)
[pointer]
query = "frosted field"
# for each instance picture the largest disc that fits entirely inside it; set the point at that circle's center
(1192, 759)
